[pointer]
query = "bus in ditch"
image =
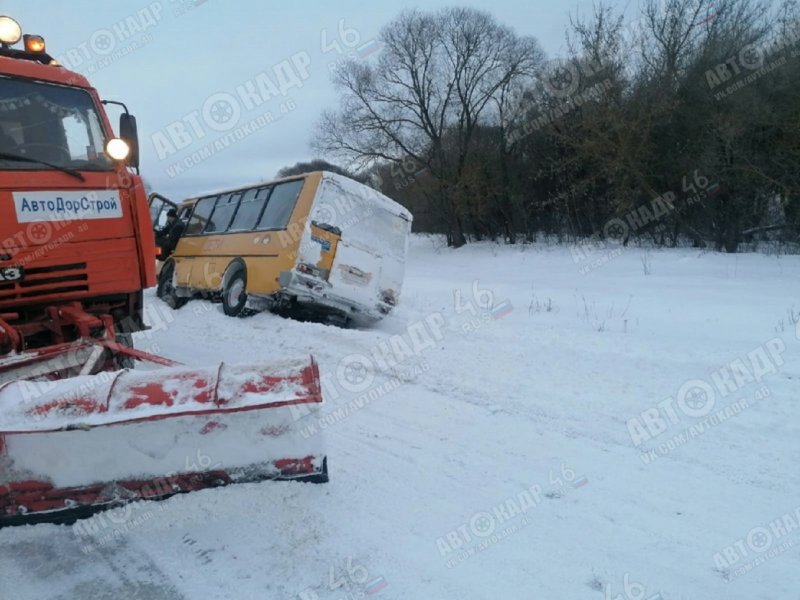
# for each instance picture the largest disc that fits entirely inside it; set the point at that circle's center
(317, 244)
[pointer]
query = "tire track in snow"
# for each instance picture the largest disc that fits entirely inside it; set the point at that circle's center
(51, 564)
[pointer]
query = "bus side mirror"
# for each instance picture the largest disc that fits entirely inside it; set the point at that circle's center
(129, 133)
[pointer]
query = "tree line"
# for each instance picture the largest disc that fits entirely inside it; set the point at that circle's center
(680, 124)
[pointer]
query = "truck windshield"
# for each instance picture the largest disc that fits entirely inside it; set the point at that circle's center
(50, 123)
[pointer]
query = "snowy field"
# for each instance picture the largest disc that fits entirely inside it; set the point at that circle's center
(531, 423)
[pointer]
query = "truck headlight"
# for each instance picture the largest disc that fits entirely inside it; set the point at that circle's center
(10, 31)
(117, 148)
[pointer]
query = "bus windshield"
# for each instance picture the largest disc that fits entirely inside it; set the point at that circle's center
(45, 123)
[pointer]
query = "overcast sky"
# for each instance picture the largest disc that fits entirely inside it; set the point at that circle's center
(190, 51)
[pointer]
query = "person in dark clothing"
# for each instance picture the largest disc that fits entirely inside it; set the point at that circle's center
(171, 234)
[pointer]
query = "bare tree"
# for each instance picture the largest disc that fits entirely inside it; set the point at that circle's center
(316, 164)
(694, 101)
(432, 87)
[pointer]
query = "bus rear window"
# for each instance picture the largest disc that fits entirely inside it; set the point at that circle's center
(202, 210)
(281, 205)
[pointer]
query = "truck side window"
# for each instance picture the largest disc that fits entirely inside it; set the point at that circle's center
(155, 207)
(161, 221)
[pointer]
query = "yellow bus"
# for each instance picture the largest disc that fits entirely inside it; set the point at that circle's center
(316, 243)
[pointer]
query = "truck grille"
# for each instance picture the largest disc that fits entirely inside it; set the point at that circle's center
(47, 281)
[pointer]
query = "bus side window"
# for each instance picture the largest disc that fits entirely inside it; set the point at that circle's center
(249, 210)
(281, 205)
(223, 213)
(185, 213)
(202, 210)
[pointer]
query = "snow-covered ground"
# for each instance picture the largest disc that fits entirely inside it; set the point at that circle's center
(612, 427)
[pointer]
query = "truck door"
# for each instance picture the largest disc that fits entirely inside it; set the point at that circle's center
(159, 207)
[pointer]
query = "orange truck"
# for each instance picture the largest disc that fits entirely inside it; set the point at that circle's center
(76, 252)
(75, 230)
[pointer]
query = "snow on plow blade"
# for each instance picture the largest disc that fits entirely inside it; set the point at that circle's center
(69, 448)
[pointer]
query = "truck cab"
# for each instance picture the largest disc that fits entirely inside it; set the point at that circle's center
(76, 242)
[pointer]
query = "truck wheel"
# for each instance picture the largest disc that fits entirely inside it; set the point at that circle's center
(234, 296)
(166, 289)
(123, 361)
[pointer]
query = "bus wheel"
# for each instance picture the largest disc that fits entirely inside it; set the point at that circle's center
(234, 296)
(166, 289)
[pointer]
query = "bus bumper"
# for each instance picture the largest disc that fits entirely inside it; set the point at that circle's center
(316, 294)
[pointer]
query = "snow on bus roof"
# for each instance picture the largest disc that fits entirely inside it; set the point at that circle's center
(346, 183)
(356, 188)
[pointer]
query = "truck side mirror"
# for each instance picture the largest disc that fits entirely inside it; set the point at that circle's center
(129, 133)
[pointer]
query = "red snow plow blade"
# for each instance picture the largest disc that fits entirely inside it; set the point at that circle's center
(71, 447)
